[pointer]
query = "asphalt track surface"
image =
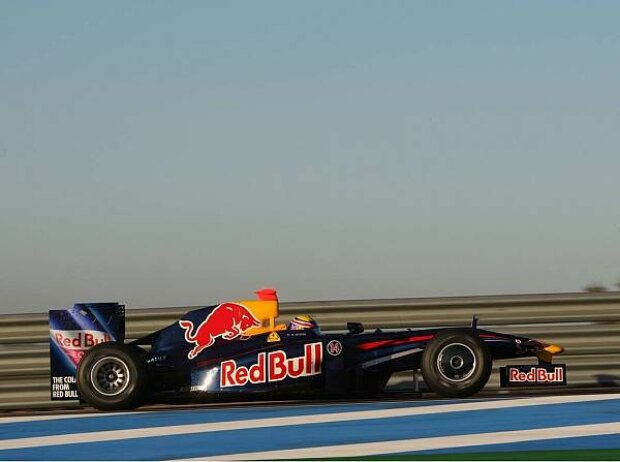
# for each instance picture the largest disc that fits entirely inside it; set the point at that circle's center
(224, 403)
(399, 426)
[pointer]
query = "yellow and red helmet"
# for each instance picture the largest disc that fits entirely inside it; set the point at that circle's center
(303, 322)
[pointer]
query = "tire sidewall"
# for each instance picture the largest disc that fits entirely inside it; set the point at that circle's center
(131, 396)
(442, 386)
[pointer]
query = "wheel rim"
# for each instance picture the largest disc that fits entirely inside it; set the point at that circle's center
(110, 376)
(456, 362)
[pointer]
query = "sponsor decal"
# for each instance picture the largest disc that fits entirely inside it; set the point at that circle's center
(72, 332)
(538, 375)
(228, 321)
(74, 343)
(334, 348)
(273, 366)
(64, 388)
(273, 337)
(156, 359)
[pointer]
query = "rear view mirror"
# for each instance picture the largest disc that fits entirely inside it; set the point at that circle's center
(355, 327)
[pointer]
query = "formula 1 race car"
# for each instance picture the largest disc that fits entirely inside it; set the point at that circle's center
(238, 347)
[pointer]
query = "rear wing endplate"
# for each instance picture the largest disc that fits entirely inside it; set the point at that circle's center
(72, 332)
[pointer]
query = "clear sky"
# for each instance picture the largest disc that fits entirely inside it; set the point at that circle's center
(180, 153)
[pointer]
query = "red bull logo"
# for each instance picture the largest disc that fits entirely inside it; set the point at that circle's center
(74, 343)
(536, 375)
(273, 367)
(228, 321)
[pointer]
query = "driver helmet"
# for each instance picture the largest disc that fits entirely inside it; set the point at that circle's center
(303, 322)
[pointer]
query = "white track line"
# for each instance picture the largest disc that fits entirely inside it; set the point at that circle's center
(115, 435)
(201, 407)
(426, 444)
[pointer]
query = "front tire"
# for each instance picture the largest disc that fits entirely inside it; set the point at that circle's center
(112, 376)
(456, 364)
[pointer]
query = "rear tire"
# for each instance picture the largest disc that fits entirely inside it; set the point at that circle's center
(112, 376)
(456, 363)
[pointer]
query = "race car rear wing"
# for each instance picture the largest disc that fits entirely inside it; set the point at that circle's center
(72, 332)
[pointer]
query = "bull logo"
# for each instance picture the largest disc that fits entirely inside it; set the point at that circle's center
(228, 321)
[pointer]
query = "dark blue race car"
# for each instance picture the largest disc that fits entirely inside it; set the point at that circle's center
(239, 348)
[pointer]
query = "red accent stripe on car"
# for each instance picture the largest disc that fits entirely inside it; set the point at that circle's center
(385, 343)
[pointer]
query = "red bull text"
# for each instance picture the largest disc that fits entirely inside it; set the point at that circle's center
(74, 343)
(532, 375)
(536, 375)
(228, 321)
(273, 367)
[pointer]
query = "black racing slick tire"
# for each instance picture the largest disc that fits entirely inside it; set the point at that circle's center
(112, 376)
(456, 363)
